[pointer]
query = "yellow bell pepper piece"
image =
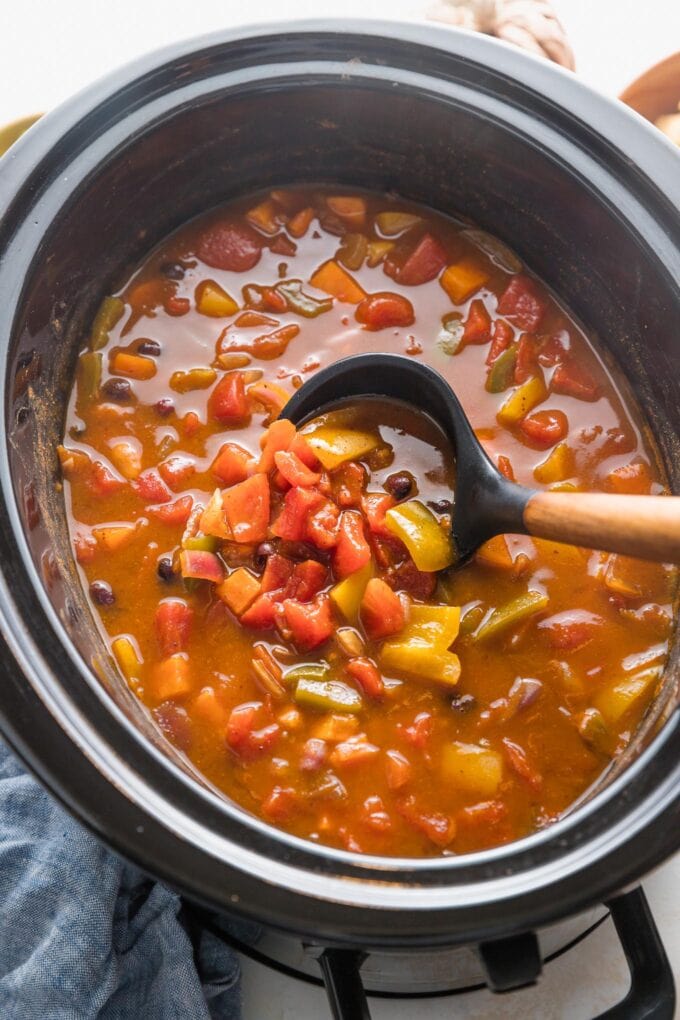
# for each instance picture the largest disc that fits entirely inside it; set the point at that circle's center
(110, 312)
(422, 660)
(335, 446)
(193, 379)
(392, 223)
(347, 595)
(213, 300)
(511, 613)
(377, 251)
(430, 546)
(437, 626)
(129, 662)
(463, 279)
(615, 702)
(112, 537)
(557, 467)
(472, 769)
(134, 366)
(127, 458)
(522, 400)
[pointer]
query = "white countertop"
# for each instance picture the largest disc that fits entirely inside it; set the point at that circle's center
(49, 51)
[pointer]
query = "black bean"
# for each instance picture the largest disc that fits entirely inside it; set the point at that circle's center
(164, 407)
(441, 506)
(173, 270)
(102, 593)
(463, 702)
(150, 347)
(262, 554)
(399, 484)
(165, 569)
(117, 389)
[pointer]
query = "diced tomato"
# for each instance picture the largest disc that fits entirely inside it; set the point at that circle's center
(573, 380)
(314, 754)
(294, 471)
(350, 208)
(554, 348)
(177, 306)
(201, 565)
(488, 812)
(322, 526)
(518, 760)
(398, 770)
(277, 572)
(311, 623)
(477, 326)
(419, 732)
(306, 581)
(348, 483)
(173, 625)
(352, 551)
(438, 828)
(505, 468)
(102, 482)
(191, 423)
(298, 504)
(282, 245)
(382, 612)
(261, 615)
(241, 735)
(232, 464)
(301, 448)
(418, 583)
(280, 804)
(526, 364)
(523, 303)
(176, 513)
(85, 547)
(421, 265)
(385, 310)
(151, 488)
(353, 752)
(232, 246)
(375, 816)
(176, 471)
(367, 675)
(375, 505)
(246, 507)
(571, 629)
(228, 402)
(502, 336)
(545, 428)
(634, 478)
(279, 436)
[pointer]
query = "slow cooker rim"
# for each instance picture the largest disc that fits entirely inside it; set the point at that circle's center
(344, 27)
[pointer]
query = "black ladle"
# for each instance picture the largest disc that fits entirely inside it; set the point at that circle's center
(487, 503)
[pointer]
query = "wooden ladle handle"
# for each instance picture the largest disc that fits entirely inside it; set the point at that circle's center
(644, 526)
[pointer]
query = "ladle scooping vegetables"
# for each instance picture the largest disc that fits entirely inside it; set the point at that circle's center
(487, 503)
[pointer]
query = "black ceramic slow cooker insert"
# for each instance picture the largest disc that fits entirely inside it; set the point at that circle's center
(588, 195)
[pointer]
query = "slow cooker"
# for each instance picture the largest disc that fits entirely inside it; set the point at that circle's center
(589, 196)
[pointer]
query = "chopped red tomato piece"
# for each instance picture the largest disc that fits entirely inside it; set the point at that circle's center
(173, 626)
(382, 612)
(294, 471)
(232, 246)
(418, 583)
(151, 488)
(232, 464)
(280, 804)
(477, 326)
(545, 428)
(278, 437)
(488, 812)
(299, 503)
(228, 402)
(421, 265)
(277, 572)
(505, 468)
(418, 733)
(173, 513)
(261, 614)
(385, 310)
(634, 478)
(517, 758)
(526, 364)
(311, 623)
(102, 482)
(352, 551)
(554, 348)
(176, 471)
(246, 507)
(241, 735)
(502, 336)
(322, 526)
(375, 505)
(177, 306)
(438, 828)
(201, 565)
(348, 483)
(571, 629)
(398, 770)
(306, 581)
(375, 816)
(523, 303)
(367, 675)
(301, 448)
(573, 380)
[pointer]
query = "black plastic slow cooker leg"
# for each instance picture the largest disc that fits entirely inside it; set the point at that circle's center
(652, 988)
(345, 990)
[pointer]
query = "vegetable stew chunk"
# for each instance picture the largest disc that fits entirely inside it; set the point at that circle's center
(285, 601)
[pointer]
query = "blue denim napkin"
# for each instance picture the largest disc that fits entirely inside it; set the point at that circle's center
(84, 935)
